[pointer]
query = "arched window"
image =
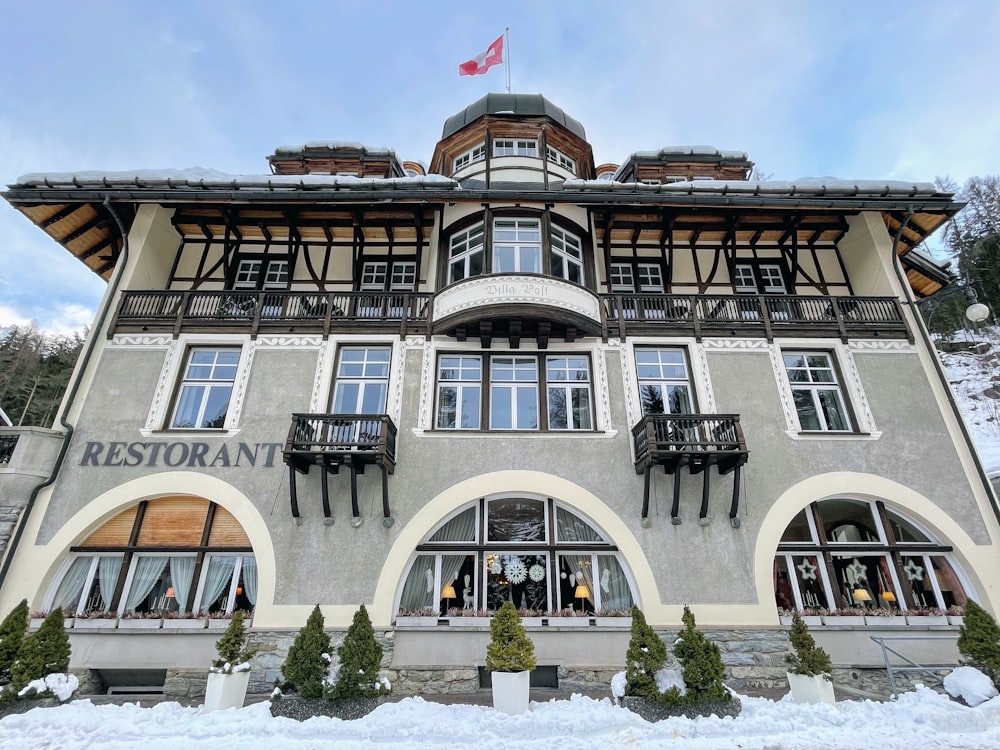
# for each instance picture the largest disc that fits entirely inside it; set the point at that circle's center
(858, 553)
(173, 554)
(533, 552)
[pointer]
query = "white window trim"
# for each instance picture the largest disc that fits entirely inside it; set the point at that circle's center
(558, 158)
(326, 374)
(469, 157)
(233, 583)
(517, 145)
(157, 420)
(850, 386)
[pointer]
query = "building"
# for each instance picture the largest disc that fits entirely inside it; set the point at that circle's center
(514, 374)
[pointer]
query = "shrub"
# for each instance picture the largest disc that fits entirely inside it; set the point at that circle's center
(308, 658)
(646, 656)
(42, 653)
(979, 641)
(510, 649)
(360, 658)
(701, 663)
(12, 632)
(808, 659)
(232, 647)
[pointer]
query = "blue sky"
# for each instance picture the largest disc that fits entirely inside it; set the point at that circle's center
(893, 89)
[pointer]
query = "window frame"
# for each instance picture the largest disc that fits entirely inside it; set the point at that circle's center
(468, 250)
(259, 272)
(185, 381)
(652, 270)
(663, 382)
(557, 157)
(813, 387)
(540, 384)
(763, 273)
(521, 227)
(471, 156)
(526, 147)
(363, 380)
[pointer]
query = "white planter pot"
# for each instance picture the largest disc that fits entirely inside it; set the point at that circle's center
(479, 622)
(140, 623)
(810, 689)
(96, 623)
(226, 690)
(184, 623)
(417, 622)
(927, 620)
(532, 622)
(510, 691)
(956, 619)
(891, 621)
(844, 621)
(621, 623)
(219, 623)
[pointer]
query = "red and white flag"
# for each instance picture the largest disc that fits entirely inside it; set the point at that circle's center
(481, 63)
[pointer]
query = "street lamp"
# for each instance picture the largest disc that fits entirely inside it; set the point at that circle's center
(976, 312)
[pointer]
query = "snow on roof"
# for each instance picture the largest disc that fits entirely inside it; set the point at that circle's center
(199, 177)
(688, 151)
(336, 146)
(804, 185)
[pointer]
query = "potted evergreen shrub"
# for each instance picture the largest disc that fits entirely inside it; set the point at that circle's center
(510, 657)
(809, 667)
(40, 669)
(979, 641)
(230, 673)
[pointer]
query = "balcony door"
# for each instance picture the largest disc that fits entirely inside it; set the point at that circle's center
(361, 388)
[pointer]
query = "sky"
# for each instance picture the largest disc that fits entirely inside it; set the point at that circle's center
(919, 720)
(899, 89)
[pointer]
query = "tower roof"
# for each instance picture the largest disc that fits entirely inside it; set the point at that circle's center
(514, 104)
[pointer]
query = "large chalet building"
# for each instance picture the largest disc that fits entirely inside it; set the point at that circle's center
(513, 374)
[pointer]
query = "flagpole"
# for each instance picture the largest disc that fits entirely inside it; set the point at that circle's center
(506, 32)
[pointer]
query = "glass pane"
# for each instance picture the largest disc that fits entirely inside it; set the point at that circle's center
(500, 408)
(447, 400)
(652, 399)
(784, 598)
(810, 573)
(806, 408)
(503, 259)
(798, 530)
(680, 400)
(905, 532)
(345, 400)
(848, 521)
(918, 577)
(581, 409)
(461, 528)
(557, 409)
(614, 591)
(373, 401)
(216, 407)
(571, 528)
(833, 410)
(470, 407)
(951, 588)
(520, 579)
(862, 579)
(516, 520)
(187, 406)
(527, 408)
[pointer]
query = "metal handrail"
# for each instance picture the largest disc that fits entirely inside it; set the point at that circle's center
(913, 666)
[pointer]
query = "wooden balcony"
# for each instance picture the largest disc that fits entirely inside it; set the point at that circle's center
(753, 315)
(256, 312)
(697, 441)
(331, 441)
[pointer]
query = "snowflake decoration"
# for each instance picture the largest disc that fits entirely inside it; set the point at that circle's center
(516, 571)
(496, 568)
(913, 571)
(807, 569)
(536, 573)
(860, 574)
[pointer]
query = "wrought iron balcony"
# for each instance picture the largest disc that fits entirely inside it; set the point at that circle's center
(334, 440)
(269, 311)
(766, 315)
(694, 440)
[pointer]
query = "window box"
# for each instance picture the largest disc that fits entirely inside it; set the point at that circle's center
(928, 620)
(956, 620)
(184, 623)
(416, 621)
(845, 621)
(475, 622)
(885, 621)
(620, 623)
(96, 623)
(534, 622)
(140, 623)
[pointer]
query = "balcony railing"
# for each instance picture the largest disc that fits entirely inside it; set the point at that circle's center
(682, 438)
(269, 311)
(754, 315)
(411, 313)
(7, 445)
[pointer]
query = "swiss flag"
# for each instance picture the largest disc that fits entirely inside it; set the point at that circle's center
(481, 63)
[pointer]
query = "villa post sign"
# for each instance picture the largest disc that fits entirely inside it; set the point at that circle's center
(190, 455)
(485, 291)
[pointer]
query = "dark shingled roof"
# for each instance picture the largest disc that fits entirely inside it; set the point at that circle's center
(516, 104)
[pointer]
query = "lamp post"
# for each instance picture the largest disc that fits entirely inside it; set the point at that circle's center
(975, 313)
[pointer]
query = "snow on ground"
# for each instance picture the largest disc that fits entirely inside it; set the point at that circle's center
(921, 719)
(972, 374)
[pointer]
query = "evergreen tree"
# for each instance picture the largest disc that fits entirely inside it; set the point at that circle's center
(510, 649)
(808, 659)
(979, 641)
(646, 656)
(12, 632)
(701, 663)
(308, 658)
(34, 370)
(232, 647)
(360, 658)
(44, 652)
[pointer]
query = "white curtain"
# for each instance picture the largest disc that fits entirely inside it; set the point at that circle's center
(71, 586)
(108, 570)
(219, 576)
(418, 591)
(572, 528)
(461, 528)
(450, 567)
(181, 573)
(147, 572)
(614, 589)
(580, 565)
(250, 578)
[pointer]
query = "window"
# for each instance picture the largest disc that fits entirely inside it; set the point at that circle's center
(624, 277)
(518, 397)
(558, 157)
(532, 552)
(195, 579)
(860, 563)
(567, 255)
(362, 380)
(664, 383)
(400, 275)
(207, 384)
(474, 154)
(465, 256)
(248, 274)
(816, 392)
(517, 246)
(762, 278)
(514, 147)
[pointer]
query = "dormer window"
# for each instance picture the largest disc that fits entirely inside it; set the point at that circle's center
(474, 154)
(558, 157)
(514, 147)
